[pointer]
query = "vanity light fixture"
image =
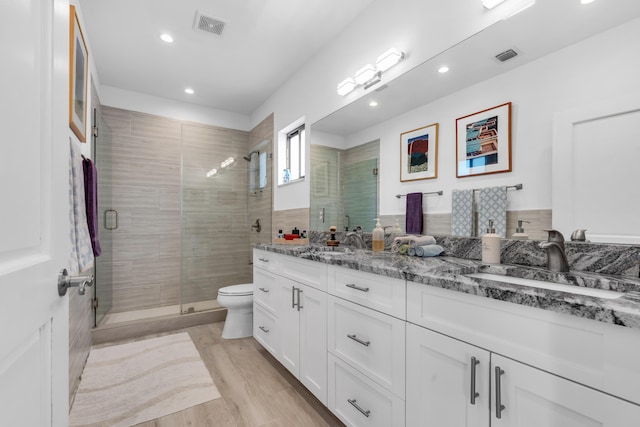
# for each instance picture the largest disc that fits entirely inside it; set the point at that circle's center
(389, 59)
(490, 4)
(189, 91)
(586, 1)
(166, 37)
(443, 69)
(346, 86)
(365, 74)
(227, 163)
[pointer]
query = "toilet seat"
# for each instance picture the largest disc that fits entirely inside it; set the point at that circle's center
(237, 290)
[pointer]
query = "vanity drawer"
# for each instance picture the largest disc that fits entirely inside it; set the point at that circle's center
(310, 273)
(384, 294)
(265, 289)
(265, 260)
(358, 401)
(372, 342)
(264, 329)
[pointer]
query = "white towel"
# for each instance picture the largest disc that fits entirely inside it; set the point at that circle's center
(399, 241)
(462, 213)
(81, 257)
(493, 205)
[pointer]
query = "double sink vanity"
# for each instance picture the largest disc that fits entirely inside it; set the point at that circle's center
(390, 340)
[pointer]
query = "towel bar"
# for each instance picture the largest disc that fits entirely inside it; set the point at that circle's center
(439, 193)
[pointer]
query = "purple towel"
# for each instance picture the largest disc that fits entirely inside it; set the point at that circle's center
(414, 213)
(91, 201)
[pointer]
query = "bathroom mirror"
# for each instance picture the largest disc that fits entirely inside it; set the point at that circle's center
(538, 31)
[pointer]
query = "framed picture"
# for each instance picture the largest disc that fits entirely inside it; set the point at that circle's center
(78, 78)
(483, 142)
(419, 153)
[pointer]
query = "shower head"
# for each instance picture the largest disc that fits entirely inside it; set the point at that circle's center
(248, 156)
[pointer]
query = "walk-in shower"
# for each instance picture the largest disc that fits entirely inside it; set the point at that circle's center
(183, 232)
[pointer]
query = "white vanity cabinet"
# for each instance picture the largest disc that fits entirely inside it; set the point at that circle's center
(366, 344)
(531, 363)
(290, 316)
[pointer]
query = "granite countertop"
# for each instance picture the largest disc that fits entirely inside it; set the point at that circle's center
(450, 273)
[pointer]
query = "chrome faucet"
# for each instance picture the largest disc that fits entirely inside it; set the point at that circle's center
(355, 239)
(556, 257)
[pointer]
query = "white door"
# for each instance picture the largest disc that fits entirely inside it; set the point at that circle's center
(313, 341)
(527, 397)
(34, 212)
(440, 380)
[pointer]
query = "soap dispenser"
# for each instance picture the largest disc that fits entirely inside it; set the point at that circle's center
(396, 227)
(378, 237)
(491, 246)
(520, 234)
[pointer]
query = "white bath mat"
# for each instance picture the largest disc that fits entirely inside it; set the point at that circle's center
(127, 384)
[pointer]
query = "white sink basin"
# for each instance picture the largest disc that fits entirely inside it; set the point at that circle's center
(600, 293)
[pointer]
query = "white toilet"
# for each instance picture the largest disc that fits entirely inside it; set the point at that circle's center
(238, 300)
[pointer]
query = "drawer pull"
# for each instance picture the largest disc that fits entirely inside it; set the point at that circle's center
(474, 393)
(358, 288)
(354, 403)
(263, 259)
(263, 329)
(499, 406)
(264, 290)
(358, 340)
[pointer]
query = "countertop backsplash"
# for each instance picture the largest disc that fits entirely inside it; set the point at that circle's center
(602, 258)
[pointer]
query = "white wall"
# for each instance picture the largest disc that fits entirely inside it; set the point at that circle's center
(408, 25)
(585, 73)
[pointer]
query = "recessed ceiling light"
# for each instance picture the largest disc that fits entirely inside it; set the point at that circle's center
(165, 37)
(373, 104)
(189, 91)
(443, 69)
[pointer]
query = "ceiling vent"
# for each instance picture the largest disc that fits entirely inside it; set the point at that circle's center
(209, 25)
(506, 55)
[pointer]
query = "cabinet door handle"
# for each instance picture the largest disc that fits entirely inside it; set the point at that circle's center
(264, 290)
(299, 290)
(354, 403)
(293, 297)
(499, 406)
(263, 329)
(358, 288)
(263, 259)
(474, 393)
(358, 340)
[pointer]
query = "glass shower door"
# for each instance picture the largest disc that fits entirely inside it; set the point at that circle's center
(107, 220)
(360, 198)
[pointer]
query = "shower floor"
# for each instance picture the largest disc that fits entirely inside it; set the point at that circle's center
(149, 313)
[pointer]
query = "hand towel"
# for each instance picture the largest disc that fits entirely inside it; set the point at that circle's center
(399, 241)
(492, 204)
(462, 213)
(91, 199)
(403, 249)
(429, 250)
(414, 213)
(81, 256)
(415, 241)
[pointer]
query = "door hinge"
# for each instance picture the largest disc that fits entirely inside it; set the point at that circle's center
(94, 303)
(95, 131)
(375, 171)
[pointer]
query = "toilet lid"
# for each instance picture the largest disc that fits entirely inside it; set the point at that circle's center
(237, 290)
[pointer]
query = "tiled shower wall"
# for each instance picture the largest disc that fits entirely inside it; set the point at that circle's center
(148, 265)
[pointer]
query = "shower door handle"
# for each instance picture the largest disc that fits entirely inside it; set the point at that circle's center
(115, 216)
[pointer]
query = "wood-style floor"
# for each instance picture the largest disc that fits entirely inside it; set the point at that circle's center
(256, 390)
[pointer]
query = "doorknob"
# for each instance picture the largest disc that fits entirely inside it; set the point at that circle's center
(65, 282)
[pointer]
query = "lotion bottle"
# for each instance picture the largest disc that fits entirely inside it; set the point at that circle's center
(378, 237)
(491, 246)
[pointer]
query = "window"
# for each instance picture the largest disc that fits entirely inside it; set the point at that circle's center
(292, 156)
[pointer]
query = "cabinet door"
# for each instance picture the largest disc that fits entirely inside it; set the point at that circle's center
(527, 397)
(440, 380)
(288, 325)
(313, 341)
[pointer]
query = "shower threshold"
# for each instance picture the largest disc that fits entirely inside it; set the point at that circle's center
(150, 313)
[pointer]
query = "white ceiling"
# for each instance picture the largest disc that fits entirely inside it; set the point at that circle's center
(264, 43)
